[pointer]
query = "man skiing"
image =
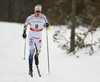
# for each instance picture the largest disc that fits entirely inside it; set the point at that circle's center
(36, 21)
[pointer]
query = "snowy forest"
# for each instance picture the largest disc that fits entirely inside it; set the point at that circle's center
(58, 12)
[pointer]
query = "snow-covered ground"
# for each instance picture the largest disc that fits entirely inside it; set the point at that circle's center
(63, 67)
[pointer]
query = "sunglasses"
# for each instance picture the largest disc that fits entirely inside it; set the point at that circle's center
(38, 11)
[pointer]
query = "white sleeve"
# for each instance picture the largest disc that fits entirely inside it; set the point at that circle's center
(27, 20)
(45, 19)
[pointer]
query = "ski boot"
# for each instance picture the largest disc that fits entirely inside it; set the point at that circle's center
(31, 72)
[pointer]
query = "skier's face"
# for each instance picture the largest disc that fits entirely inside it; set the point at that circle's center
(37, 13)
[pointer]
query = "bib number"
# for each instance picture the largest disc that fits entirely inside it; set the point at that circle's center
(36, 25)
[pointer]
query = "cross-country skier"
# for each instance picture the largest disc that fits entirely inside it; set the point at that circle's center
(36, 22)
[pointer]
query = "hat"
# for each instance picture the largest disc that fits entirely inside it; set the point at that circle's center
(38, 8)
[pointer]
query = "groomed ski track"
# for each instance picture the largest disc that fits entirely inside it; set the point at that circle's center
(63, 68)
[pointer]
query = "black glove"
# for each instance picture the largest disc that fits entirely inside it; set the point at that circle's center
(24, 36)
(47, 25)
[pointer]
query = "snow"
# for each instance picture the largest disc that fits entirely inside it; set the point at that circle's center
(63, 67)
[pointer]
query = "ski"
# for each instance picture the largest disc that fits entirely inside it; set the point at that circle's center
(38, 70)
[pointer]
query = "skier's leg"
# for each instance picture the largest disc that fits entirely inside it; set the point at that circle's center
(31, 58)
(38, 45)
(31, 53)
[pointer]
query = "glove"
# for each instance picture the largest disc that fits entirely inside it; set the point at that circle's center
(24, 36)
(47, 25)
(49, 28)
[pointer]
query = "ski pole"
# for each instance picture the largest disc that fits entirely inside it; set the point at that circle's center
(24, 49)
(47, 50)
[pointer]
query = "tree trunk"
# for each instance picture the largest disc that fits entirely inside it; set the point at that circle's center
(73, 20)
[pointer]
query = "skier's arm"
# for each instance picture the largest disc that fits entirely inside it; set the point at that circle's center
(25, 27)
(46, 23)
(26, 24)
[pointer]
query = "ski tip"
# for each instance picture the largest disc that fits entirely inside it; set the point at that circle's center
(24, 58)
